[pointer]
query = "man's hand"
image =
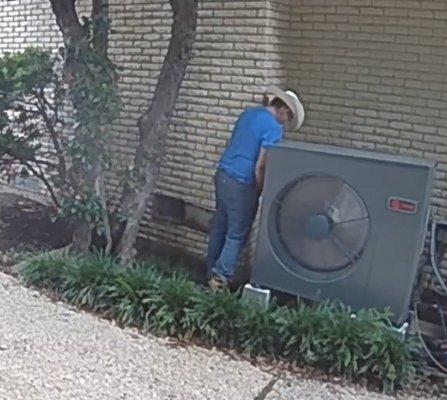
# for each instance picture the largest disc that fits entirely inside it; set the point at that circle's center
(260, 169)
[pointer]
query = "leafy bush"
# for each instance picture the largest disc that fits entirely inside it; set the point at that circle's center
(216, 319)
(329, 336)
(45, 271)
(131, 294)
(23, 73)
(393, 361)
(169, 307)
(81, 281)
(86, 282)
(259, 332)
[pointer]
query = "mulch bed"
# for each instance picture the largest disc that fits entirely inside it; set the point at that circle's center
(27, 225)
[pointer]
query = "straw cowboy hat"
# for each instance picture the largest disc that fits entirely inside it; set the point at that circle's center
(293, 102)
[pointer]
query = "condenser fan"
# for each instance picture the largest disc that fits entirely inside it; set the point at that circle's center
(321, 223)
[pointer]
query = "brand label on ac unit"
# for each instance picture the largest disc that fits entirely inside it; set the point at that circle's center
(403, 205)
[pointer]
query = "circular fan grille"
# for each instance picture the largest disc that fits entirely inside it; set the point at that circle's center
(322, 223)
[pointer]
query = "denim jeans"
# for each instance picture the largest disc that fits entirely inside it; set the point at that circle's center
(236, 207)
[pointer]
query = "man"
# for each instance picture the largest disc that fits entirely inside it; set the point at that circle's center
(240, 177)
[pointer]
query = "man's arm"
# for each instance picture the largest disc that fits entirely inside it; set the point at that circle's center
(260, 169)
(270, 137)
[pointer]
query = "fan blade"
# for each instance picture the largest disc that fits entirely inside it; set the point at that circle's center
(352, 235)
(310, 196)
(351, 256)
(347, 206)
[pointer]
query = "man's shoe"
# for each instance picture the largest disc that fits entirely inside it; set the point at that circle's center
(217, 282)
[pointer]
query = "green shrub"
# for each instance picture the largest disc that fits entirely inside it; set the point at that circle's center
(45, 271)
(393, 361)
(300, 332)
(146, 296)
(131, 293)
(363, 345)
(168, 307)
(216, 318)
(164, 267)
(259, 332)
(86, 282)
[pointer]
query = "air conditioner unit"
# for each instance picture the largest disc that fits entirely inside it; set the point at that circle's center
(343, 224)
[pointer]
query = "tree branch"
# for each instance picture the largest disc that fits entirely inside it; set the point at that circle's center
(45, 181)
(100, 9)
(46, 163)
(100, 190)
(172, 72)
(153, 124)
(67, 20)
(62, 167)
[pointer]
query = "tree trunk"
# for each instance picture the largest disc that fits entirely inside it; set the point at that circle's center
(74, 35)
(100, 9)
(67, 20)
(153, 124)
(82, 237)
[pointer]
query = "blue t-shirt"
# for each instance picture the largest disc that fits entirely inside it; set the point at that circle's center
(255, 128)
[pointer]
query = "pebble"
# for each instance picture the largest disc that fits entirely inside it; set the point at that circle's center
(48, 351)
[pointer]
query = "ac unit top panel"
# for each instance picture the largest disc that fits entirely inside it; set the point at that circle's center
(346, 152)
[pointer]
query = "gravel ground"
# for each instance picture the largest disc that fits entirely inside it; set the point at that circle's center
(50, 351)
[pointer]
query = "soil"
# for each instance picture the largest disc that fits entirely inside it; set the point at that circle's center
(26, 225)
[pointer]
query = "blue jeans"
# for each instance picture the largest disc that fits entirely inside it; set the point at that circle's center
(236, 207)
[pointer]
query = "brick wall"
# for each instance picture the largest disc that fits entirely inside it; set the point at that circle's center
(26, 23)
(371, 74)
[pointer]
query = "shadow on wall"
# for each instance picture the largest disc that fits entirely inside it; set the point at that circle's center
(177, 211)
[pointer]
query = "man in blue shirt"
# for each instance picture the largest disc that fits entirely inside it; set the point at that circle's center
(240, 177)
